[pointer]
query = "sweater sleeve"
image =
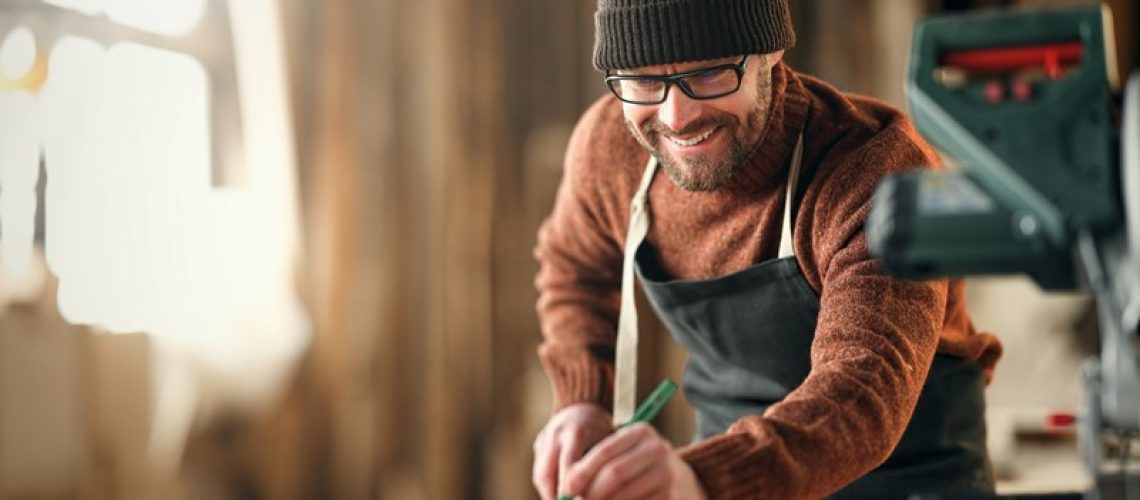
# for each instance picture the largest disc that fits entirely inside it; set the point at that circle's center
(874, 343)
(579, 277)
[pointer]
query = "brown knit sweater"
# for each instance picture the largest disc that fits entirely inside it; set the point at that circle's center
(875, 338)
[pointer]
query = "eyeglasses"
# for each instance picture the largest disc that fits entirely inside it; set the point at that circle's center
(704, 83)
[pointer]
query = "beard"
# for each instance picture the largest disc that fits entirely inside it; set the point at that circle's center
(704, 172)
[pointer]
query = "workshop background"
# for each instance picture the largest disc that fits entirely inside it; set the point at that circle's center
(282, 249)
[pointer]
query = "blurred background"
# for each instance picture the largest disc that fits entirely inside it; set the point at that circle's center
(281, 249)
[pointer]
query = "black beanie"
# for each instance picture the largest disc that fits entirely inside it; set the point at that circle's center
(636, 33)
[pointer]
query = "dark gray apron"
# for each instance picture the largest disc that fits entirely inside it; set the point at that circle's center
(749, 337)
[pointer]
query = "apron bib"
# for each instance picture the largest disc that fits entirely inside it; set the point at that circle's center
(749, 337)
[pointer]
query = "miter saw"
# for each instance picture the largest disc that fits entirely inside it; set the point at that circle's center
(1049, 186)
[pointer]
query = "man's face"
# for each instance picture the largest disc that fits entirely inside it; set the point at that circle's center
(702, 143)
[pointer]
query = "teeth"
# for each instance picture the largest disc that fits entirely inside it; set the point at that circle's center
(694, 141)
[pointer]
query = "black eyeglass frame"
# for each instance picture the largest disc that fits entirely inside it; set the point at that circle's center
(612, 81)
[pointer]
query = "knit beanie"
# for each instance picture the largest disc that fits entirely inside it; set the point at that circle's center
(636, 33)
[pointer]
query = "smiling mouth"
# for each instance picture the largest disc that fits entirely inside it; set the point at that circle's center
(692, 141)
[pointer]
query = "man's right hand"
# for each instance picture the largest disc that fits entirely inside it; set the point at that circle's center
(565, 439)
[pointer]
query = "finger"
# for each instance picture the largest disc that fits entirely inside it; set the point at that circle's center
(652, 485)
(574, 443)
(570, 452)
(583, 473)
(633, 473)
(545, 472)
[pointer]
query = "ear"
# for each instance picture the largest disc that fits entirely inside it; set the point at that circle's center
(774, 57)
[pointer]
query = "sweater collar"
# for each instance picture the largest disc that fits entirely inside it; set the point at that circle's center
(786, 120)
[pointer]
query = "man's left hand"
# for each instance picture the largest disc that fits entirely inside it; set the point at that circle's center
(634, 463)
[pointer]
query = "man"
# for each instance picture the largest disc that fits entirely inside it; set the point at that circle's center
(811, 372)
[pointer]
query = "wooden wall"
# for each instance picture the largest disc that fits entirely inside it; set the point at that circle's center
(426, 133)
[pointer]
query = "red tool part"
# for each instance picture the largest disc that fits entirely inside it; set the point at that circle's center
(1053, 58)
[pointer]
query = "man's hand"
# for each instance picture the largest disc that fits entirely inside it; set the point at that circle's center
(635, 463)
(563, 441)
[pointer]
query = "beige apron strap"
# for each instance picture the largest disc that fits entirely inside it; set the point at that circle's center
(793, 179)
(625, 383)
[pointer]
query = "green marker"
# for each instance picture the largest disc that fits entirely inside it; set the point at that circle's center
(645, 412)
(652, 405)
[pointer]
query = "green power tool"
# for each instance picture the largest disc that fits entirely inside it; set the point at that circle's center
(1049, 187)
(1023, 100)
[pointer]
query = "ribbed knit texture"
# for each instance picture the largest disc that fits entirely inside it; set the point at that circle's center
(637, 33)
(875, 338)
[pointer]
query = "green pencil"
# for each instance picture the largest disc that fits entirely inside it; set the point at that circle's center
(645, 412)
(652, 405)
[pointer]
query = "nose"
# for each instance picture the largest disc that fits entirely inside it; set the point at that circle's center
(678, 110)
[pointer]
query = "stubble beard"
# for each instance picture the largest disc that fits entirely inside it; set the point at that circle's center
(709, 172)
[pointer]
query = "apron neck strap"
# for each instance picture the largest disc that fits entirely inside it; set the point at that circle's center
(625, 369)
(786, 249)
